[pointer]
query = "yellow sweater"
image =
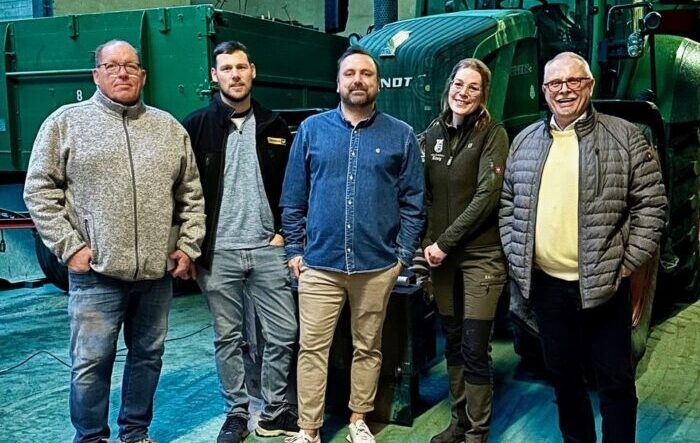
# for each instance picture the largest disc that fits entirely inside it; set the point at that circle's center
(556, 231)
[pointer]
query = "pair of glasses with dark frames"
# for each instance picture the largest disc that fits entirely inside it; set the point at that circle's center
(113, 68)
(574, 83)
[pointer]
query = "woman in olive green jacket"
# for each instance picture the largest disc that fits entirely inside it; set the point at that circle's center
(465, 154)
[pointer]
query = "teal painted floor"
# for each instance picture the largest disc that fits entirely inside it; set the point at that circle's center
(34, 396)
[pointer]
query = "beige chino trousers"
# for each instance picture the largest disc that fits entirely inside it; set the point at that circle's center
(322, 295)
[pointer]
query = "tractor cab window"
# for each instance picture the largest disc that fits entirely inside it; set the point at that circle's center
(563, 25)
(626, 24)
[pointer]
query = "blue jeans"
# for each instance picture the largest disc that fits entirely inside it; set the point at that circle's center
(98, 306)
(262, 275)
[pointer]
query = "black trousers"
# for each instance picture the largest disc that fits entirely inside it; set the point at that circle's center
(568, 335)
(474, 281)
(468, 345)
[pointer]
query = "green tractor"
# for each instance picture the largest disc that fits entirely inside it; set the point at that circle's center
(646, 61)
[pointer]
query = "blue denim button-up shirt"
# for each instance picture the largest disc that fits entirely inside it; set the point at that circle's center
(352, 199)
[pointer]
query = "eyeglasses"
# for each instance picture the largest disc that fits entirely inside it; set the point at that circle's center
(573, 83)
(469, 89)
(113, 68)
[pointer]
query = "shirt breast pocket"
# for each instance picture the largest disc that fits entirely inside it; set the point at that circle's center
(385, 159)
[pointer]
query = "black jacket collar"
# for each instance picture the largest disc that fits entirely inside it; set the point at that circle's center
(468, 123)
(263, 116)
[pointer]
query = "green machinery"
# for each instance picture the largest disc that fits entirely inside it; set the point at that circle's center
(646, 61)
(47, 62)
(645, 57)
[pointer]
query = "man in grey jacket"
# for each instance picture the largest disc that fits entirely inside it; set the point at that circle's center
(114, 192)
(583, 206)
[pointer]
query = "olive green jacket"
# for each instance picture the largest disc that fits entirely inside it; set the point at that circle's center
(464, 175)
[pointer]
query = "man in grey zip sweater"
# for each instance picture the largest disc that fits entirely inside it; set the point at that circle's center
(114, 192)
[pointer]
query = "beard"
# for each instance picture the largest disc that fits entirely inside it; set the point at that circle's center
(233, 99)
(349, 99)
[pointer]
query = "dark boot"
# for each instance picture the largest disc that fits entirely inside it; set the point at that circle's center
(454, 433)
(479, 398)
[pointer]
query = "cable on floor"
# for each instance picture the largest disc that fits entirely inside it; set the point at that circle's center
(11, 368)
(176, 338)
(26, 360)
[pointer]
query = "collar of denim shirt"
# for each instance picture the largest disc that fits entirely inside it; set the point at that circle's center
(364, 123)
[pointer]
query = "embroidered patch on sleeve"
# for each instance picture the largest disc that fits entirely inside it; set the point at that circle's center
(277, 141)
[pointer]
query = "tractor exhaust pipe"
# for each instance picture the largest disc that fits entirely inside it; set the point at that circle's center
(385, 12)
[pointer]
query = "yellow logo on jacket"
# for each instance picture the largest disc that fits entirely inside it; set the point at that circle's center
(277, 141)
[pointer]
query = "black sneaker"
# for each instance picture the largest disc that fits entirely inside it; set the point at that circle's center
(234, 430)
(285, 423)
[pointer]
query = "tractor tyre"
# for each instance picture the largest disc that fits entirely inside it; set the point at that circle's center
(642, 291)
(55, 271)
(683, 182)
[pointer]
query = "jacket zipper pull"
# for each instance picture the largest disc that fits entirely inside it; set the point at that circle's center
(449, 161)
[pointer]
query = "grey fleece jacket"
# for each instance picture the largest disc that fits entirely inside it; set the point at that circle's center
(120, 180)
(622, 203)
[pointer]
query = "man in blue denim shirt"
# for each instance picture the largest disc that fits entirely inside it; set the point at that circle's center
(352, 216)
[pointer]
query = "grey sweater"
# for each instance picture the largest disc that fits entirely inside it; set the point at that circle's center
(120, 180)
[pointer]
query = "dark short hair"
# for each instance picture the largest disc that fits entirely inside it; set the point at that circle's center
(229, 47)
(101, 48)
(352, 50)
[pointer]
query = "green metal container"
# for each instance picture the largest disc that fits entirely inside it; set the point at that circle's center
(48, 63)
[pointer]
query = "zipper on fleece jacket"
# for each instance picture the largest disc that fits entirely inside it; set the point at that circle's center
(451, 142)
(133, 191)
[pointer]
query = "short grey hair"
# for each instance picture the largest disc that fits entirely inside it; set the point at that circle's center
(570, 55)
(101, 48)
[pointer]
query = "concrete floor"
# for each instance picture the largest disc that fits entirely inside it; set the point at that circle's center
(34, 397)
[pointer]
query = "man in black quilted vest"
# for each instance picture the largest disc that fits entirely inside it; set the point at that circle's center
(583, 206)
